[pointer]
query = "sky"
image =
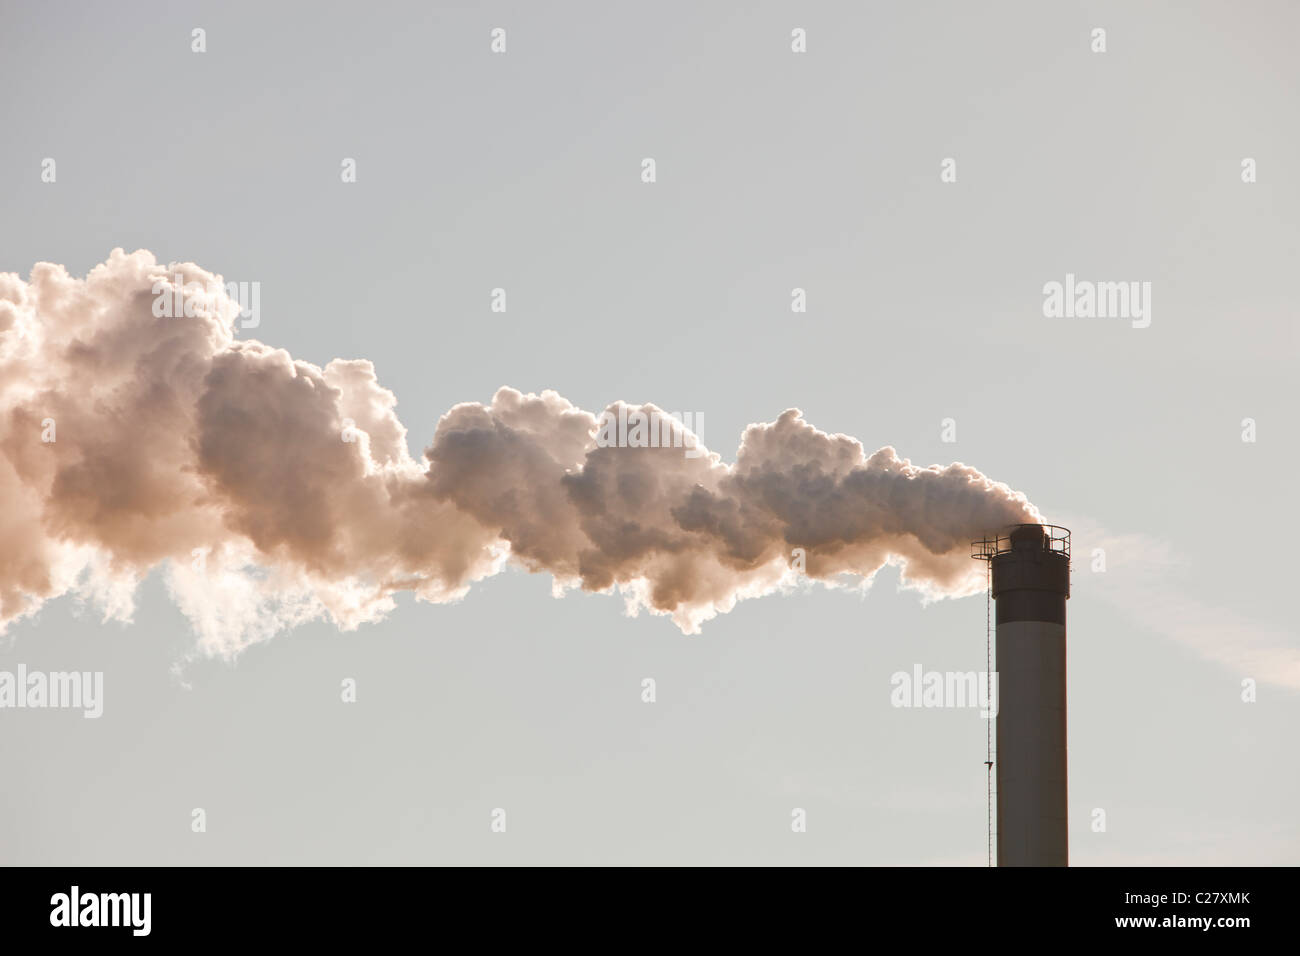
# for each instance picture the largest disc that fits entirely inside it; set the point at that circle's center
(925, 321)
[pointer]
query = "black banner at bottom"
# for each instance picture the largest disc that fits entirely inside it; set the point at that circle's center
(1151, 906)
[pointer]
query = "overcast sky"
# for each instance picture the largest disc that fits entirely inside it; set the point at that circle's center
(775, 170)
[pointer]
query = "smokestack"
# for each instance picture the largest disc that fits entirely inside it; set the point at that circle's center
(1030, 585)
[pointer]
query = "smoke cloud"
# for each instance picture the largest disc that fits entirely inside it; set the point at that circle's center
(272, 491)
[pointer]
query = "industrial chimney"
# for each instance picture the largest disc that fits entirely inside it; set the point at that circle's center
(1030, 569)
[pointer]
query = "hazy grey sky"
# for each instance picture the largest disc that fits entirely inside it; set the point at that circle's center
(775, 170)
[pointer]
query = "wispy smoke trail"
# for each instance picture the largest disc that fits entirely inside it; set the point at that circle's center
(226, 462)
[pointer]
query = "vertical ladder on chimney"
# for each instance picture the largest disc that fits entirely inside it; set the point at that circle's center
(988, 685)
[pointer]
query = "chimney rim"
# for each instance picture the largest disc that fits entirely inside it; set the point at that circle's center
(1055, 538)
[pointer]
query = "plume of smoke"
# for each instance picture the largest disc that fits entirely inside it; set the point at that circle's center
(238, 470)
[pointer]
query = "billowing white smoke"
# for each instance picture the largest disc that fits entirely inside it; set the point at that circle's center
(225, 461)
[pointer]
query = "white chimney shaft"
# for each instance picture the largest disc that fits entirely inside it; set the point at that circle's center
(1031, 583)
